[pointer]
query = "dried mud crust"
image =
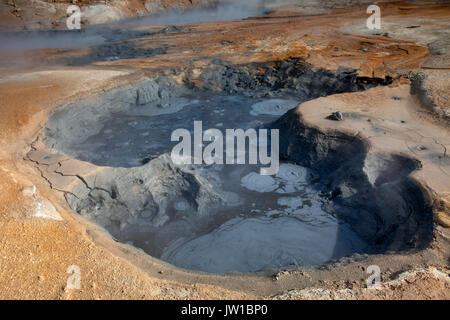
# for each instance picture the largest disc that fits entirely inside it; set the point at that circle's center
(406, 285)
(432, 88)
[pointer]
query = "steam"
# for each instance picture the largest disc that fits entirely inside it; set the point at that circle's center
(98, 34)
(27, 40)
(95, 35)
(225, 10)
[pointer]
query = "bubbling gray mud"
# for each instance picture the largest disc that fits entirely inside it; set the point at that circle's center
(283, 222)
(134, 137)
(219, 218)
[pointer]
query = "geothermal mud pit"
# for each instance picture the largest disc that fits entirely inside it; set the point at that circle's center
(225, 218)
(217, 218)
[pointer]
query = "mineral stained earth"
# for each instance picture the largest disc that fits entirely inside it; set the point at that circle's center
(366, 111)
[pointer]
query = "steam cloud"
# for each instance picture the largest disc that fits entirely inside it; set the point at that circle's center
(95, 34)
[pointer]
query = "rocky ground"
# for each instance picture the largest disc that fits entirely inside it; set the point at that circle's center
(390, 87)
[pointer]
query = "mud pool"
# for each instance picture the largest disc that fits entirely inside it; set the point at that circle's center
(218, 218)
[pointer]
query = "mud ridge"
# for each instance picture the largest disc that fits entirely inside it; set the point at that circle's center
(373, 192)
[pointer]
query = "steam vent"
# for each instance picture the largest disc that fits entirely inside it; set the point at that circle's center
(224, 149)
